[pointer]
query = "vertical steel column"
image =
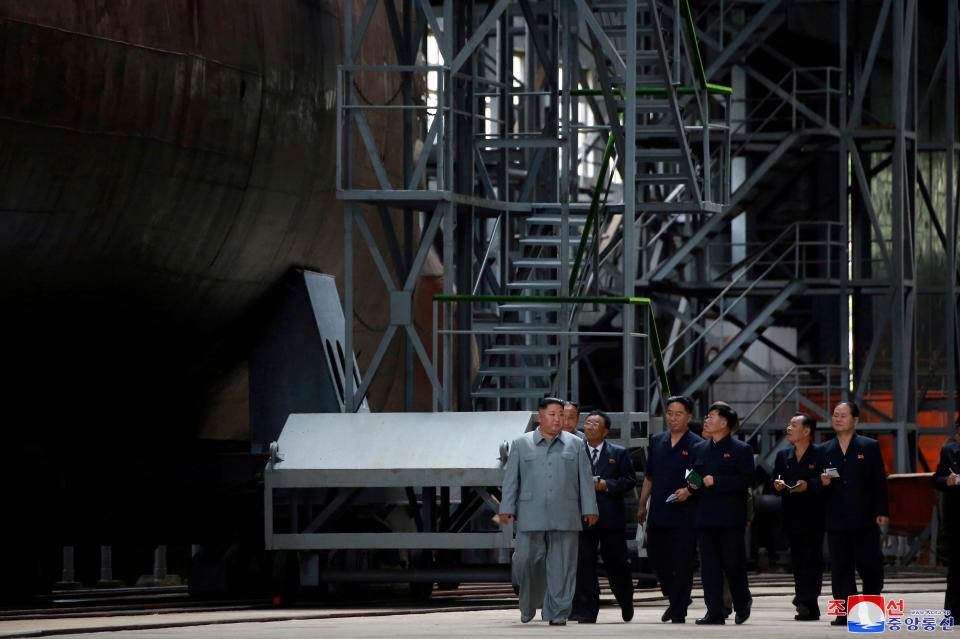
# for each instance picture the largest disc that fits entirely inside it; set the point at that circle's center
(629, 210)
(447, 210)
(950, 111)
(408, 47)
(346, 160)
(462, 99)
(568, 137)
(843, 204)
(902, 254)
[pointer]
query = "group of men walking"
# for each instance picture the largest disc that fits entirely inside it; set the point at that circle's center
(565, 489)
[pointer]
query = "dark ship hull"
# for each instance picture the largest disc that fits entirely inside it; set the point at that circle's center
(164, 164)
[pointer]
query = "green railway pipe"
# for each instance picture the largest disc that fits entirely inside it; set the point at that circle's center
(654, 335)
(592, 213)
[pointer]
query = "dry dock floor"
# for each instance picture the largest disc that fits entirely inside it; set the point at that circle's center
(480, 611)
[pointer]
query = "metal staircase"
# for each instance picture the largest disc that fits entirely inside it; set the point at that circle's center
(641, 77)
(520, 351)
(670, 102)
(754, 292)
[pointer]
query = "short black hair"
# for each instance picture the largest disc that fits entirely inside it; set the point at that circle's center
(575, 405)
(681, 399)
(854, 409)
(546, 401)
(603, 415)
(807, 421)
(727, 412)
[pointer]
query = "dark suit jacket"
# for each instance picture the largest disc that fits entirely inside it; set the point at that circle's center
(613, 466)
(856, 498)
(949, 463)
(802, 512)
(730, 461)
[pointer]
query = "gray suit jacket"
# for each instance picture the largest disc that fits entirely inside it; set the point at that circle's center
(548, 484)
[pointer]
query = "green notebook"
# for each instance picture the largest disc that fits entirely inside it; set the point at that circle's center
(694, 478)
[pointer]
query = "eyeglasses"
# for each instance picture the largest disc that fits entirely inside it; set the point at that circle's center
(593, 423)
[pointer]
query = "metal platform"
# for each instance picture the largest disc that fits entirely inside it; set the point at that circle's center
(324, 462)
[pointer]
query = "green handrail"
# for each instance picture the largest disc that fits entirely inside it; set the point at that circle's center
(694, 44)
(584, 299)
(592, 213)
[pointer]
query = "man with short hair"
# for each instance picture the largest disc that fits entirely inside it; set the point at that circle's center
(571, 418)
(797, 480)
(671, 537)
(855, 495)
(548, 488)
(725, 466)
(613, 476)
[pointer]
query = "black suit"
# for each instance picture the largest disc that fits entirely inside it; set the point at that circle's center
(614, 467)
(722, 521)
(950, 463)
(803, 522)
(671, 535)
(853, 501)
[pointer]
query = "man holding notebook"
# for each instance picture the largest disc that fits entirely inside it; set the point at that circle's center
(722, 473)
(796, 475)
(671, 537)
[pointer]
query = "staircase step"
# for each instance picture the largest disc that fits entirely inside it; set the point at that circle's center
(515, 371)
(644, 155)
(536, 262)
(528, 328)
(523, 349)
(654, 106)
(662, 178)
(529, 306)
(534, 285)
(522, 393)
(549, 240)
(656, 132)
(556, 219)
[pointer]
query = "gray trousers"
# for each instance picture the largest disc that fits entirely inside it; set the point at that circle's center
(545, 569)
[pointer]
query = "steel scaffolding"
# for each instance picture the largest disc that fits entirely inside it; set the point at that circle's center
(572, 148)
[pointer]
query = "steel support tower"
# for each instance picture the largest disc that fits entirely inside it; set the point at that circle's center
(574, 148)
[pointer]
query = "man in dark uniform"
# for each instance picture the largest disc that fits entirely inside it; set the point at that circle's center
(671, 536)
(797, 480)
(613, 476)
(948, 480)
(725, 466)
(855, 498)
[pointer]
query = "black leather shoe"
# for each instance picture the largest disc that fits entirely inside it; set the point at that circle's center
(667, 614)
(840, 620)
(558, 622)
(626, 611)
(710, 619)
(678, 620)
(805, 613)
(743, 615)
(526, 619)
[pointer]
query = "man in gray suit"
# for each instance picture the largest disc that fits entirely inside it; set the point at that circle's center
(547, 487)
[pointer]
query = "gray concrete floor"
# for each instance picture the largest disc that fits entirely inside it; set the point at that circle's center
(772, 616)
